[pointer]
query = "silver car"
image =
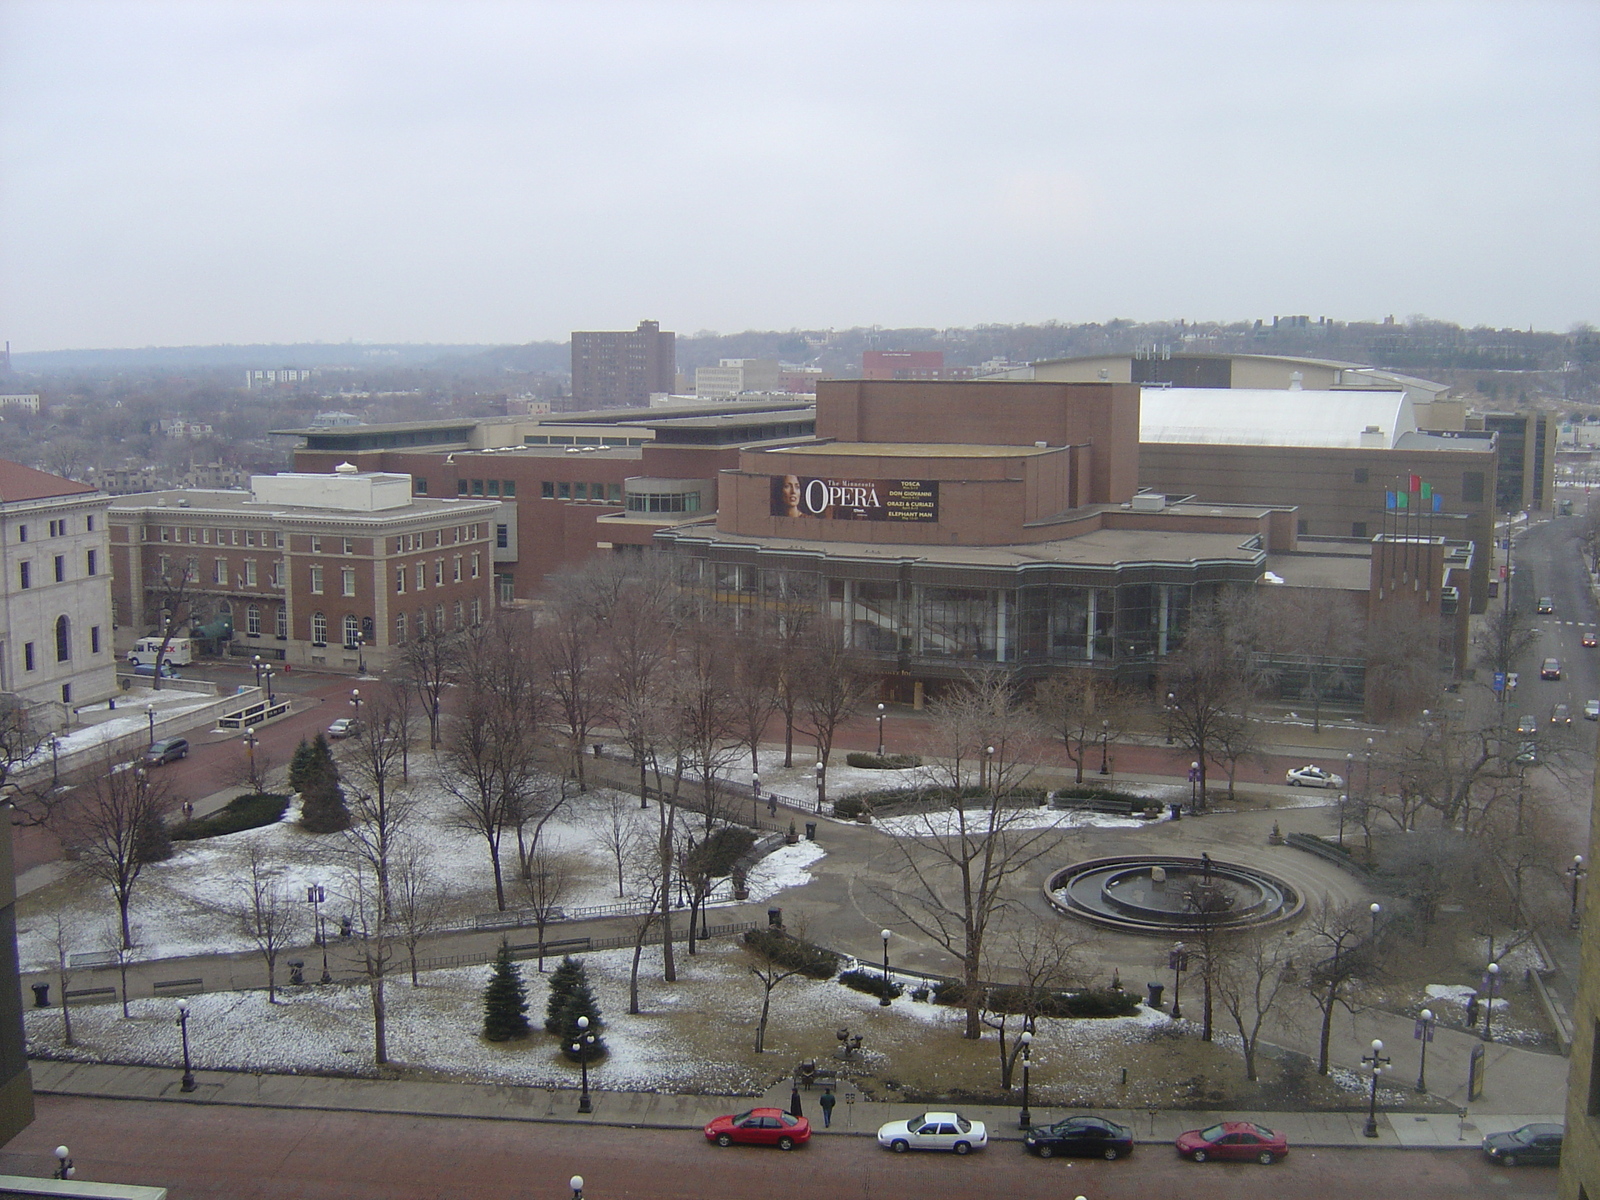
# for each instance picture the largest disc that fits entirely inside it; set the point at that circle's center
(1309, 776)
(934, 1131)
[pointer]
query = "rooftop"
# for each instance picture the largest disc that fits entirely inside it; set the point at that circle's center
(180, 504)
(1273, 417)
(912, 450)
(18, 483)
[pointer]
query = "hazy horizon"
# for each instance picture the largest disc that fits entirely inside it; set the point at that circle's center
(488, 173)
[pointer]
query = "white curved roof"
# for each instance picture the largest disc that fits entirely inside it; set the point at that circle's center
(1261, 417)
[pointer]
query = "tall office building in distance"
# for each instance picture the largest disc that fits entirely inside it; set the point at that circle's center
(621, 369)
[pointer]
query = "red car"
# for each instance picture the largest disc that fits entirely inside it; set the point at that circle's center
(1238, 1141)
(760, 1127)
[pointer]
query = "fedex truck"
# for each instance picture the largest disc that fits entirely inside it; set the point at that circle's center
(179, 651)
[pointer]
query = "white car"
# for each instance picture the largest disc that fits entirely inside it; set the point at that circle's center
(934, 1131)
(344, 727)
(1591, 710)
(1309, 776)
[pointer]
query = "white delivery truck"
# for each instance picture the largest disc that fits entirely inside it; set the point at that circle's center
(180, 651)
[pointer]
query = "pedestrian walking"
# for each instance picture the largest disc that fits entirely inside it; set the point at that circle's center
(826, 1100)
(794, 1103)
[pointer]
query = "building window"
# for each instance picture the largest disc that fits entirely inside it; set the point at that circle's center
(422, 622)
(419, 487)
(616, 495)
(399, 629)
(205, 537)
(94, 639)
(316, 580)
(349, 546)
(494, 488)
(456, 570)
(477, 487)
(1472, 487)
(400, 580)
(438, 618)
(319, 628)
(502, 536)
(66, 693)
(88, 523)
(219, 571)
(422, 576)
(505, 586)
(277, 540)
(249, 537)
(455, 613)
(461, 487)
(250, 572)
(508, 488)
(438, 537)
(22, 533)
(438, 572)
(281, 625)
(352, 629)
(94, 562)
(1302, 527)
(191, 569)
(563, 491)
(475, 557)
(580, 491)
(547, 490)
(27, 656)
(477, 611)
(1358, 529)
(1361, 474)
(163, 566)
(25, 575)
(316, 544)
(63, 639)
(252, 620)
(278, 570)
(347, 580)
(166, 534)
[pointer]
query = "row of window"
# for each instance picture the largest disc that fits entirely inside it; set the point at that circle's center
(63, 644)
(484, 487)
(406, 543)
(607, 493)
(266, 538)
(252, 621)
(458, 616)
(59, 565)
(667, 502)
(421, 573)
(59, 527)
(556, 439)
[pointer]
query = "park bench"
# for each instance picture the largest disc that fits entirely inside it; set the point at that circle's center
(167, 987)
(812, 1074)
(95, 958)
(565, 946)
(92, 993)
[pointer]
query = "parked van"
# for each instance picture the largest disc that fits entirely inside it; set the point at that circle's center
(180, 651)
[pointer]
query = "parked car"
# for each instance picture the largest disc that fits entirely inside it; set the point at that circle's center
(1532, 1144)
(165, 751)
(1590, 638)
(1551, 669)
(1309, 776)
(1091, 1137)
(760, 1127)
(1561, 715)
(1237, 1141)
(344, 727)
(934, 1131)
(168, 671)
(1591, 710)
(1546, 604)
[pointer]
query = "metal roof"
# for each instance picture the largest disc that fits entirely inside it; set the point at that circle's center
(1274, 417)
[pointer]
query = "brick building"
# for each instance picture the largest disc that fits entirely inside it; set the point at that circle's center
(619, 369)
(330, 570)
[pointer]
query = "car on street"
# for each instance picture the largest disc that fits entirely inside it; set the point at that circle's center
(1080, 1137)
(760, 1127)
(1561, 715)
(1532, 1145)
(1546, 604)
(168, 671)
(1551, 669)
(1527, 754)
(934, 1131)
(1235, 1141)
(344, 727)
(1310, 776)
(1590, 638)
(165, 751)
(1591, 710)
(1527, 723)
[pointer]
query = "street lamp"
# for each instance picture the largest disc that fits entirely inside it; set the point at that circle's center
(150, 715)
(880, 730)
(1025, 1118)
(822, 785)
(1105, 740)
(987, 768)
(316, 894)
(581, 1048)
(1493, 976)
(1344, 804)
(1576, 870)
(1194, 788)
(355, 703)
(1424, 1034)
(250, 741)
(1172, 703)
(883, 1000)
(55, 778)
(188, 1084)
(256, 663)
(1375, 908)
(266, 673)
(1178, 960)
(1377, 1061)
(576, 1184)
(64, 1167)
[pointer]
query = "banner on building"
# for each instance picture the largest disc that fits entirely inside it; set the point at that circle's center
(855, 499)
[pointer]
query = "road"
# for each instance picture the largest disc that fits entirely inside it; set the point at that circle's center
(201, 1152)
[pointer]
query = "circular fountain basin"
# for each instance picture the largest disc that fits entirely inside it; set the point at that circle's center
(1166, 894)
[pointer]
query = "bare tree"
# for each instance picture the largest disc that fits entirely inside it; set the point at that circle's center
(419, 901)
(62, 938)
(490, 765)
(374, 947)
(111, 938)
(753, 692)
(171, 594)
(569, 650)
(954, 873)
(109, 831)
(834, 683)
(427, 667)
(1046, 959)
(704, 705)
(640, 631)
(1084, 709)
(1338, 937)
(612, 827)
(1210, 680)
(548, 881)
(1317, 636)
(379, 805)
(650, 885)
(1253, 972)
(769, 973)
(270, 917)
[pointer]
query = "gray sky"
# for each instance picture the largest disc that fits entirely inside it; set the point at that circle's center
(505, 172)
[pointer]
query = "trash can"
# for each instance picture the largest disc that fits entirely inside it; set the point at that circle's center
(811, 831)
(297, 971)
(1176, 810)
(41, 995)
(1155, 990)
(774, 918)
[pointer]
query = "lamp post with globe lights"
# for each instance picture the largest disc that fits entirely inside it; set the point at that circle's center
(576, 1184)
(355, 704)
(883, 1000)
(581, 1047)
(1377, 1060)
(822, 784)
(1424, 1034)
(1577, 872)
(188, 1084)
(1375, 909)
(250, 743)
(881, 712)
(150, 715)
(64, 1168)
(1105, 747)
(1025, 1117)
(1492, 975)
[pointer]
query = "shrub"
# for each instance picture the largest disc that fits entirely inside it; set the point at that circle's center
(913, 799)
(580, 1002)
(882, 762)
(870, 982)
(811, 961)
(562, 981)
(505, 1000)
(241, 813)
(1094, 1002)
(152, 840)
(850, 807)
(715, 856)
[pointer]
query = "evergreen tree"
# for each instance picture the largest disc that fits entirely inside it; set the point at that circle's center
(302, 767)
(505, 1000)
(562, 981)
(322, 807)
(580, 1002)
(151, 841)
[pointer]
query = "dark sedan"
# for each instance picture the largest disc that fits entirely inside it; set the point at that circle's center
(1531, 1145)
(1080, 1137)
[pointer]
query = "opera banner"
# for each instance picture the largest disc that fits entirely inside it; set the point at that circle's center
(855, 499)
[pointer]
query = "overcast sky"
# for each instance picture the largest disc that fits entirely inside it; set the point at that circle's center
(504, 172)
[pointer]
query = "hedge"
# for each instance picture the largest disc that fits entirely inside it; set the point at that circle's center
(870, 982)
(850, 807)
(1095, 1002)
(882, 762)
(244, 812)
(811, 961)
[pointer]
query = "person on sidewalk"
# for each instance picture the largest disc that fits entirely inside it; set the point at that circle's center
(794, 1103)
(826, 1100)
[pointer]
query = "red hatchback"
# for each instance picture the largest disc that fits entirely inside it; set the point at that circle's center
(760, 1127)
(1238, 1141)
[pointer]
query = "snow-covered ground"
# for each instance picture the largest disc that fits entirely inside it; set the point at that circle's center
(171, 702)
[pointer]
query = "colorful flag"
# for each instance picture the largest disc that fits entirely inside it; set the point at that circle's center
(1402, 500)
(1416, 483)
(1427, 490)
(1388, 500)
(1437, 499)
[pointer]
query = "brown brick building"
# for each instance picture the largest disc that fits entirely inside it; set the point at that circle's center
(619, 369)
(312, 570)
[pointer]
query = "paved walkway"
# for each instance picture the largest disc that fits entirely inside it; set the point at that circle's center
(671, 1111)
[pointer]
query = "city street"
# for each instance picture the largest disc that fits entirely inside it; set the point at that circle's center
(202, 1152)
